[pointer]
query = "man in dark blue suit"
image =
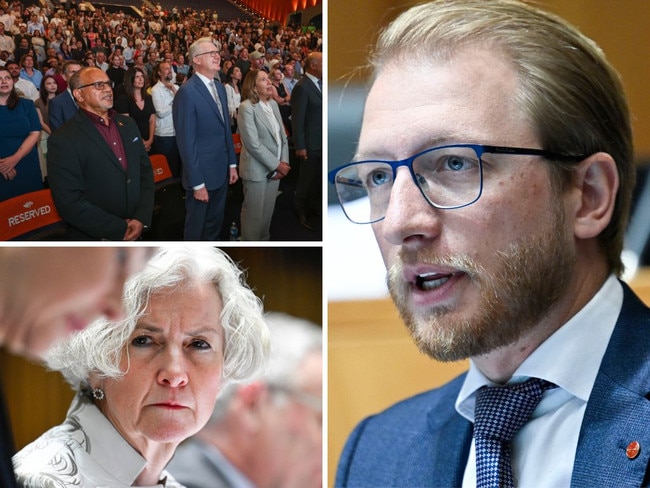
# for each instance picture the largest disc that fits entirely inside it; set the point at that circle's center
(307, 133)
(205, 143)
(63, 106)
(498, 177)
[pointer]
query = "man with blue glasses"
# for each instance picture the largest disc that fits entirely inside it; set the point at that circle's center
(498, 184)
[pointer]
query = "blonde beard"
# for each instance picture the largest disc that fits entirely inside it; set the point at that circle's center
(525, 281)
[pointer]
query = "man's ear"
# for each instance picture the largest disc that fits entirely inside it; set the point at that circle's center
(251, 394)
(596, 180)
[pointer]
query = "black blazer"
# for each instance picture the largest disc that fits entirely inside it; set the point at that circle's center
(91, 190)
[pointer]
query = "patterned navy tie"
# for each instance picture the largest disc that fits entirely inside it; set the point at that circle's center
(500, 412)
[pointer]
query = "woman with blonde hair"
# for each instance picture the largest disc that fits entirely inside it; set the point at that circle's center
(264, 157)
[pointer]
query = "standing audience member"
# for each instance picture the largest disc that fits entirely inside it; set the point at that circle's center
(6, 41)
(19, 133)
(116, 73)
(54, 291)
(266, 433)
(147, 382)
(205, 143)
(180, 67)
(23, 47)
(164, 141)
(243, 63)
(500, 202)
(63, 107)
(232, 86)
(47, 92)
(98, 169)
(289, 81)
(29, 72)
(264, 158)
(23, 87)
(280, 95)
(100, 61)
(307, 124)
(137, 104)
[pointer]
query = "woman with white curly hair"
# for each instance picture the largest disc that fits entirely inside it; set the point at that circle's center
(149, 381)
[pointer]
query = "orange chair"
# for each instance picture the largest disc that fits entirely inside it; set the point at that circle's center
(31, 216)
(236, 140)
(169, 205)
(160, 167)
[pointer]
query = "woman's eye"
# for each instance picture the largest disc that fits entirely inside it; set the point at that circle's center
(142, 341)
(200, 344)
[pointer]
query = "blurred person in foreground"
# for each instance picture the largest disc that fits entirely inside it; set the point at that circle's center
(266, 433)
(150, 380)
(53, 292)
(499, 202)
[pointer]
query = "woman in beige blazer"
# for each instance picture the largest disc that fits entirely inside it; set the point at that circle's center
(264, 156)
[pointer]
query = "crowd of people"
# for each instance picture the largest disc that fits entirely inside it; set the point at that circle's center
(146, 61)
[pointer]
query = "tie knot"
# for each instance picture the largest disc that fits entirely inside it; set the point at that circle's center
(502, 410)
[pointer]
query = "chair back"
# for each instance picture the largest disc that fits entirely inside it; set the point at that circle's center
(160, 167)
(236, 140)
(22, 216)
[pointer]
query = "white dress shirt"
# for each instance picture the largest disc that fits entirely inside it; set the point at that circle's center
(86, 450)
(163, 99)
(543, 451)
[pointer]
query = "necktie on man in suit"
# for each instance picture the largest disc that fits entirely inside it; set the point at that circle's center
(215, 95)
(499, 414)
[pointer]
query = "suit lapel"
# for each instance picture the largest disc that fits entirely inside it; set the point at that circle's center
(263, 117)
(207, 96)
(312, 86)
(618, 410)
(453, 442)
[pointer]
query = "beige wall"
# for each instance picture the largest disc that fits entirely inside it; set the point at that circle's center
(619, 27)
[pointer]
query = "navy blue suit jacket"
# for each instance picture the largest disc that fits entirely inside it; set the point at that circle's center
(422, 441)
(61, 109)
(204, 139)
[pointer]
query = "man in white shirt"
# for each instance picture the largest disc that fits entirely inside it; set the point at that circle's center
(289, 81)
(499, 202)
(24, 87)
(6, 42)
(164, 140)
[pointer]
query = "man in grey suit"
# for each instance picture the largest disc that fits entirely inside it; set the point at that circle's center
(307, 125)
(99, 172)
(63, 106)
(266, 433)
(204, 138)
